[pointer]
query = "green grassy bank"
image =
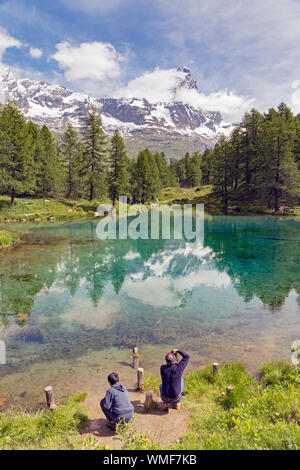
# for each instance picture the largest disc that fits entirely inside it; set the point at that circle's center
(256, 414)
(44, 429)
(205, 195)
(8, 239)
(36, 210)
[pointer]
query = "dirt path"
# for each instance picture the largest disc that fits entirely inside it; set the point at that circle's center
(165, 428)
(88, 373)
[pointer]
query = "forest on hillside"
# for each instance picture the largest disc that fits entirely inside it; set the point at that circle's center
(258, 165)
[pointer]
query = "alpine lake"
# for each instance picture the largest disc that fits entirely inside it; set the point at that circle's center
(71, 302)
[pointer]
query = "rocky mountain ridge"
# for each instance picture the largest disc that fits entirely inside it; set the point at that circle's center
(158, 125)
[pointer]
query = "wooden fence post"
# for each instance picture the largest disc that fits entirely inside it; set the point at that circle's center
(140, 379)
(50, 398)
(135, 358)
(215, 367)
(148, 401)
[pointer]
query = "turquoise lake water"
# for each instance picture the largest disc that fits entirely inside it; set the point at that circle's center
(234, 297)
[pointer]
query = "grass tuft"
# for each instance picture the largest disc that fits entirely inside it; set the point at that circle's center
(7, 238)
(273, 373)
(151, 382)
(44, 429)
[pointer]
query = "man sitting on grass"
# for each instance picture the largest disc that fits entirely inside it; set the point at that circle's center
(116, 404)
(171, 388)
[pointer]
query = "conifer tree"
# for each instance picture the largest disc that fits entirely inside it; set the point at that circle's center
(206, 166)
(49, 170)
(163, 169)
(173, 174)
(280, 175)
(118, 177)
(221, 172)
(250, 161)
(72, 152)
(36, 145)
(194, 174)
(187, 168)
(146, 179)
(95, 154)
(236, 140)
(181, 172)
(17, 166)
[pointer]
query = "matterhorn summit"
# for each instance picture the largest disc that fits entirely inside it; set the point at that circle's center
(188, 82)
(161, 126)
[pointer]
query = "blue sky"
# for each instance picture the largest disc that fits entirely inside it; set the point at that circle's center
(243, 53)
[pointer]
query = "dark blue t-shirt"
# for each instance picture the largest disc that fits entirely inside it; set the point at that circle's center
(171, 376)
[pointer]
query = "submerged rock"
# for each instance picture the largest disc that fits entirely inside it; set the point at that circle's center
(31, 335)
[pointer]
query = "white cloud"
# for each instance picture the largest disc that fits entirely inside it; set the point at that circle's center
(88, 64)
(251, 46)
(6, 41)
(35, 52)
(155, 86)
(230, 105)
(163, 85)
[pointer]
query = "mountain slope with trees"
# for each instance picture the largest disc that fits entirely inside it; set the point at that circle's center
(256, 168)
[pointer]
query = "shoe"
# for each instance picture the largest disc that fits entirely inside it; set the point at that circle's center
(111, 425)
(166, 406)
(177, 406)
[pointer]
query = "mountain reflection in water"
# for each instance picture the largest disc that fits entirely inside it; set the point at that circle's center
(81, 293)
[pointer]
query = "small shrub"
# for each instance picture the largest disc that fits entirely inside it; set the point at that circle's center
(78, 397)
(239, 394)
(276, 372)
(91, 443)
(131, 440)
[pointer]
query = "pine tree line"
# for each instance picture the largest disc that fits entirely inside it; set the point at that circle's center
(85, 165)
(257, 165)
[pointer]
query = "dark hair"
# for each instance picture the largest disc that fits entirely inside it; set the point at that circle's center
(113, 378)
(170, 358)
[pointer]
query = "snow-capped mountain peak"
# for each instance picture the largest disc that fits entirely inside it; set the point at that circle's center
(156, 124)
(188, 81)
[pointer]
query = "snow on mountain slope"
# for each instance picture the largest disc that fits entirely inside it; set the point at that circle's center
(54, 105)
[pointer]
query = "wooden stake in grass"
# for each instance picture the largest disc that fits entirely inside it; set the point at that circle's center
(50, 398)
(148, 401)
(215, 367)
(135, 358)
(140, 379)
